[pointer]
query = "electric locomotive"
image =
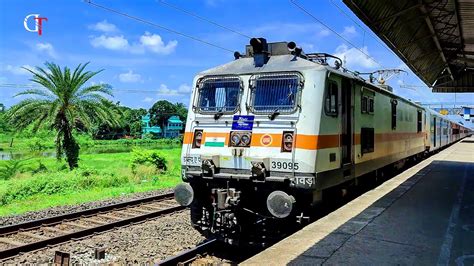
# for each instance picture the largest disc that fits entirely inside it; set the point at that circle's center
(269, 132)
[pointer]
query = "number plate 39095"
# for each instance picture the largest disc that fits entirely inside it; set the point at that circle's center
(284, 166)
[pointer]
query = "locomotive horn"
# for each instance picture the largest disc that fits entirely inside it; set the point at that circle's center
(184, 194)
(291, 46)
(280, 204)
(295, 50)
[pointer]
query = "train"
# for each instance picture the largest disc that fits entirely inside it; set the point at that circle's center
(270, 132)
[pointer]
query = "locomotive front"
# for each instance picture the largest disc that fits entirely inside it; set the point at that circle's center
(243, 173)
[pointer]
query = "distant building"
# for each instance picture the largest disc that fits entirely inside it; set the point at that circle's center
(147, 129)
(173, 127)
(2, 107)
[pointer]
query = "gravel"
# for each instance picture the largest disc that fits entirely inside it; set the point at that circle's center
(147, 242)
(60, 210)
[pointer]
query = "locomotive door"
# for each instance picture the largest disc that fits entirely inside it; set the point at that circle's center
(346, 120)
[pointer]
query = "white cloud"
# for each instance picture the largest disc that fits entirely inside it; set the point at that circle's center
(183, 89)
(147, 42)
(353, 58)
(103, 26)
(164, 90)
(147, 100)
(111, 43)
(154, 43)
(349, 31)
(130, 77)
(46, 47)
(17, 70)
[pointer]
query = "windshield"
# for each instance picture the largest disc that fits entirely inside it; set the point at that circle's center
(219, 94)
(275, 93)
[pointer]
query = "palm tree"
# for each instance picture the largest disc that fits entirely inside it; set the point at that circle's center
(63, 103)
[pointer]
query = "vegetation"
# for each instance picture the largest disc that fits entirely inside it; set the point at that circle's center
(162, 110)
(145, 157)
(45, 182)
(63, 104)
(64, 115)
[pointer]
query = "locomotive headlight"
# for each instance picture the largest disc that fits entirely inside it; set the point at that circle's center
(287, 142)
(245, 139)
(197, 140)
(235, 138)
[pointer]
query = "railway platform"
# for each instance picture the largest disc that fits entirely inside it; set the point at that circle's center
(423, 216)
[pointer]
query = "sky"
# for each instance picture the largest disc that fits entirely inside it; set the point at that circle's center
(145, 63)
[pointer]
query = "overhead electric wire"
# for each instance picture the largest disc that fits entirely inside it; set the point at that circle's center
(157, 25)
(360, 26)
(204, 19)
(334, 31)
(33, 86)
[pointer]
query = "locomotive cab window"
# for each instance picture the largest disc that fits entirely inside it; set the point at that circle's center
(330, 101)
(275, 93)
(219, 95)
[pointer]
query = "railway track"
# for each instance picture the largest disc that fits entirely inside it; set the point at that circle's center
(212, 252)
(29, 236)
(190, 255)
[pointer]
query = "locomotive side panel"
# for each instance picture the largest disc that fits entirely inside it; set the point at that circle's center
(390, 131)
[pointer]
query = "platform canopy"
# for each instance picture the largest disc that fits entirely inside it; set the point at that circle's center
(435, 38)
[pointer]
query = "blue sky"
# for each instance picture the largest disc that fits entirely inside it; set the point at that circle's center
(145, 64)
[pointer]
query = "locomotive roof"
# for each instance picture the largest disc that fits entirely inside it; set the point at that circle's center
(275, 63)
(282, 63)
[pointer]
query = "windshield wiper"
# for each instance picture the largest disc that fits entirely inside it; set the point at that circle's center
(273, 115)
(218, 114)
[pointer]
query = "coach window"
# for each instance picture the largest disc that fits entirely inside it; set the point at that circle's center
(330, 101)
(367, 139)
(418, 121)
(394, 113)
(367, 101)
(371, 105)
(364, 104)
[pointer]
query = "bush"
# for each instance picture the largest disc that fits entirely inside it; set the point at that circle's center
(144, 157)
(10, 168)
(59, 183)
(40, 169)
(38, 144)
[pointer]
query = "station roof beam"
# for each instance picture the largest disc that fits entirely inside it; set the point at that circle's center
(435, 38)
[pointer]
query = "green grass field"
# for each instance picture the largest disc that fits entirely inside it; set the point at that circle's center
(42, 182)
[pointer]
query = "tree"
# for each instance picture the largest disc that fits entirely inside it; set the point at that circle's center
(133, 120)
(161, 111)
(182, 111)
(63, 103)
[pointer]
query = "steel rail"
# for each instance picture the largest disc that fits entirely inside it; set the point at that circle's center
(187, 256)
(27, 247)
(56, 219)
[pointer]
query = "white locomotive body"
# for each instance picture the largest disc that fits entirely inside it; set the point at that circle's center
(266, 134)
